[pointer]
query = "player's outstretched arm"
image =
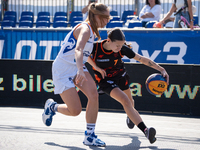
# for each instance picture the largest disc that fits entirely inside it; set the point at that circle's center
(148, 62)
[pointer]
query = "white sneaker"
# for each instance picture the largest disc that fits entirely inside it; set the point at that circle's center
(92, 140)
(48, 113)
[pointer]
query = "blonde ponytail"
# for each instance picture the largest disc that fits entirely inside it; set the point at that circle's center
(96, 9)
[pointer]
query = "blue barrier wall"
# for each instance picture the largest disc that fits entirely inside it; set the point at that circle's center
(162, 46)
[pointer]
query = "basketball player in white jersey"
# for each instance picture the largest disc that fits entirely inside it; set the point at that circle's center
(68, 72)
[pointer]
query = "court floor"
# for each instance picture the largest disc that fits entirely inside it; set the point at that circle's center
(22, 128)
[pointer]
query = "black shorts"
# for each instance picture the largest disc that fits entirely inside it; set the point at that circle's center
(108, 85)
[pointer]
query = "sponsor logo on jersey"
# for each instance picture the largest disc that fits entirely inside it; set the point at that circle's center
(110, 82)
(100, 56)
(70, 45)
(103, 60)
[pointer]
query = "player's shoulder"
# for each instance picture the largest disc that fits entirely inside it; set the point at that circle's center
(126, 47)
(82, 26)
(97, 43)
(127, 51)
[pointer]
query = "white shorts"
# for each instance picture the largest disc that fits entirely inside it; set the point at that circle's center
(63, 74)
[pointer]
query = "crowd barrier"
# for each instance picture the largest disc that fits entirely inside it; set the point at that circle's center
(173, 46)
(29, 83)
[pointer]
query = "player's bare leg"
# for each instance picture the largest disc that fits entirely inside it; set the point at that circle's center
(129, 122)
(133, 114)
(121, 97)
(90, 90)
(72, 106)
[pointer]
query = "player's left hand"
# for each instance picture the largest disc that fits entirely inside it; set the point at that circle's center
(165, 75)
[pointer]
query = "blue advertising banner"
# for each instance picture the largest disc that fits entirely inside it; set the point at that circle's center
(32, 44)
(162, 46)
(178, 47)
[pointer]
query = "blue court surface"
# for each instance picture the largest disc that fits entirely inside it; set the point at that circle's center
(23, 129)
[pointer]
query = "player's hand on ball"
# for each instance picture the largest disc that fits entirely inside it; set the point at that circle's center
(165, 75)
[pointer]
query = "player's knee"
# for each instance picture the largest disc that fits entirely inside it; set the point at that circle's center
(76, 111)
(126, 102)
(93, 96)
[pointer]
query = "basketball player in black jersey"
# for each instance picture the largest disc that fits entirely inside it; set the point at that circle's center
(111, 76)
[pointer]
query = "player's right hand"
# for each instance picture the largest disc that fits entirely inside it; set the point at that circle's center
(102, 71)
(80, 77)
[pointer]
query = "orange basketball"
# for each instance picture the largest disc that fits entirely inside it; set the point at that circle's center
(156, 84)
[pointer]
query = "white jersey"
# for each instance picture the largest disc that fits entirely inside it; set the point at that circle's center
(67, 51)
(64, 66)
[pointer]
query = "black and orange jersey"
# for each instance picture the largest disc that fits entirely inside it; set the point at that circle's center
(110, 61)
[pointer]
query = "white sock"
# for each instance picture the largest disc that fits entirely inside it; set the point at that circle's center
(90, 128)
(54, 107)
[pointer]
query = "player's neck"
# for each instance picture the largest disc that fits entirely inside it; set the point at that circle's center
(106, 46)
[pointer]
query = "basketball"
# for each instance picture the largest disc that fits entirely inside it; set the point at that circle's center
(156, 84)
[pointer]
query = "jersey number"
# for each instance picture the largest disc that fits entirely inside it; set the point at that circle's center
(116, 60)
